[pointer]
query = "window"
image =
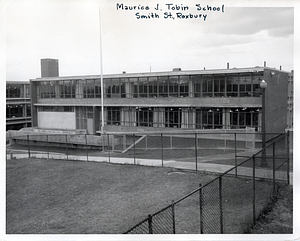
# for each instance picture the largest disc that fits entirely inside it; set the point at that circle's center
(152, 83)
(232, 86)
(163, 86)
(89, 89)
(144, 116)
(143, 87)
(207, 86)
(256, 86)
(241, 118)
(115, 88)
(56, 108)
(245, 85)
(219, 86)
(46, 89)
(14, 111)
(83, 113)
(97, 88)
(173, 117)
(67, 88)
(184, 86)
(135, 83)
(197, 82)
(209, 118)
(113, 116)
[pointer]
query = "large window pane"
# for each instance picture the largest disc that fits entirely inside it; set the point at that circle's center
(184, 86)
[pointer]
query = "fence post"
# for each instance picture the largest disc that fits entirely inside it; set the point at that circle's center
(67, 146)
(274, 168)
(162, 150)
(201, 208)
(124, 142)
(150, 224)
(28, 146)
(86, 148)
(221, 204)
(173, 216)
(133, 148)
(112, 143)
(288, 157)
(235, 154)
(254, 218)
(196, 151)
(108, 149)
(47, 147)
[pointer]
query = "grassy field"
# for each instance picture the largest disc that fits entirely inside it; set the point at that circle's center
(72, 197)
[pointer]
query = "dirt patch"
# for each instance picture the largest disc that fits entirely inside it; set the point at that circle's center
(278, 217)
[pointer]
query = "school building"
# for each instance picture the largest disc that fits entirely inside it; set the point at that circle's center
(18, 105)
(228, 98)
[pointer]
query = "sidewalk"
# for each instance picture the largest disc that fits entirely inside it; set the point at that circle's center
(202, 166)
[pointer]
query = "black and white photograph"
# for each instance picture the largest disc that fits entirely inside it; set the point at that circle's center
(130, 118)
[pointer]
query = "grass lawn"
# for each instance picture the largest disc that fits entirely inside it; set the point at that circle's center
(72, 197)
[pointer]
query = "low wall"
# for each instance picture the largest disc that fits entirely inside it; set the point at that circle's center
(248, 134)
(58, 138)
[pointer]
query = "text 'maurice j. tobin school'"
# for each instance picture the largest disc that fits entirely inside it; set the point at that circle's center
(178, 100)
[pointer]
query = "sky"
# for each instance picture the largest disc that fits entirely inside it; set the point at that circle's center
(69, 30)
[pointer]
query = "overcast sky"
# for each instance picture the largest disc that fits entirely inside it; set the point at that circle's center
(68, 30)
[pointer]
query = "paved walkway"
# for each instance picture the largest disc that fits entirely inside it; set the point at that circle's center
(201, 165)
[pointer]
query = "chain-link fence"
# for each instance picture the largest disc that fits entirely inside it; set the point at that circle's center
(210, 208)
(221, 206)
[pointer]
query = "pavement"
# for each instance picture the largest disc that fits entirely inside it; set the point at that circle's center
(202, 165)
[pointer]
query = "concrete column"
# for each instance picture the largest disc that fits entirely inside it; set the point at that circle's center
(184, 118)
(191, 88)
(97, 114)
(57, 89)
(133, 117)
(226, 118)
(192, 118)
(78, 90)
(129, 89)
(155, 117)
(161, 117)
(259, 121)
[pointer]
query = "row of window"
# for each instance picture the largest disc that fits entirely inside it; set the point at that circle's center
(14, 111)
(152, 87)
(56, 108)
(17, 91)
(205, 118)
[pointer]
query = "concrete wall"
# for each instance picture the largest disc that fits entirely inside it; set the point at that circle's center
(160, 102)
(276, 100)
(57, 120)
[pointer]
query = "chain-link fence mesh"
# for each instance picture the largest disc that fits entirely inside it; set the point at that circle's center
(141, 228)
(162, 222)
(212, 209)
(187, 214)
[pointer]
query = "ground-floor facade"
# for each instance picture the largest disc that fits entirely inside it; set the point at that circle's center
(89, 117)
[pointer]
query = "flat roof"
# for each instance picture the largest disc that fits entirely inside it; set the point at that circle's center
(165, 73)
(17, 82)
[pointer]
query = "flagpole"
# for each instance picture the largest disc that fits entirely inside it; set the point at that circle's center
(101, 70)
